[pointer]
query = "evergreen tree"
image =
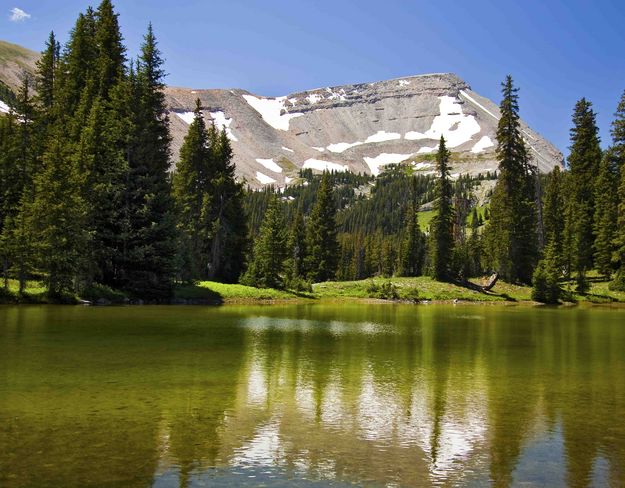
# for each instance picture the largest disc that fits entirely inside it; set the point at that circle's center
(47, 67)
(57, 217)
(75, 73)
(267, 265)
(545, 281)
(18, 165)
(554, 209)
(191, 186)
(229, 232)
(111, 53)
(322, 244)
(606, 203)
(296, 246)
(512, 236)
(412, 252)
(584, 161)
(441, 227)
(149, 247)
(618, 150)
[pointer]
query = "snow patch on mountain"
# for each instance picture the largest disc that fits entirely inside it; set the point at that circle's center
(221, 121)
(456, 127)
(287, 149)
(484, 143)
(383, 159)
(4, 107)
(382, 136)
(187, 117)
(321, 165)
(426, 150)
(314, 98)
(264, 179)
(270, 164)
(342, 146)
(270, 109)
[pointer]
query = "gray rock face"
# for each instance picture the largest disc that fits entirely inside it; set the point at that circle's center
(359, 127)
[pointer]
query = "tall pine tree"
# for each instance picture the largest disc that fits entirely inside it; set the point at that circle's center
(149, 246)
(413, 251)
(441, 226)
(584, 161)
(191, 187)
(266, 268)
(322, 243)
(511, 234)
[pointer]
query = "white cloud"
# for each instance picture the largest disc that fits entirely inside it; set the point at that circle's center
(18, 15)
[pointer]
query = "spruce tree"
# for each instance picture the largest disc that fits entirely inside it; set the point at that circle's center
(111, 52)
(441, 227)
(229, 242)
(618, 150)
(18, 166)
(584, 161)
(412, 252)
(606, 204)
(545, 281)
(553, 211)
(512, 237)
(296, 246)
(57, 216)
(267, 264)
(191, 186)
(322, 243)
(149, 247)
(47, 67)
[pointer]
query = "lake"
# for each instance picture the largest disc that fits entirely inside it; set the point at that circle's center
(312, 395)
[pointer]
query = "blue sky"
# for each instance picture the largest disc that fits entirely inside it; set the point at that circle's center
(557, 51)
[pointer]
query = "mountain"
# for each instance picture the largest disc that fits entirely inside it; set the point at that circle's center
(358, 127)
(14, 60)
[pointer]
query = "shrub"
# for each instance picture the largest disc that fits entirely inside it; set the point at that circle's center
(385, 291)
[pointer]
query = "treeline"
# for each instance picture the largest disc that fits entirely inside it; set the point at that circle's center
(86, 197)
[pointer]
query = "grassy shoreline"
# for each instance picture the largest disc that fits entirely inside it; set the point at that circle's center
(379, 290)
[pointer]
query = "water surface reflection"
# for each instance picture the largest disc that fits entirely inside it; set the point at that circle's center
(312, 395)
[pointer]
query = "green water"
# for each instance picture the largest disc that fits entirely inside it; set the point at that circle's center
(312, 395)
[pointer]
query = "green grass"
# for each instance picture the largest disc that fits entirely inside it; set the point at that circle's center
(427, 289)
(35, 292)
(221, 292)
(421, 288)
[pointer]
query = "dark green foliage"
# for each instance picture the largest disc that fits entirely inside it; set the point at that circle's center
(229, 242)
(149, 247)
(47, 71)
(554, 211)
(57, 217)
(384, 291)
(545, 282)
(413, 248)
(512, 237)
(192, 187)
(296, 245)
(618, 151)
(606, 204)
(441, 228)
(267, 265)
(584, 161)
(322, 244)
